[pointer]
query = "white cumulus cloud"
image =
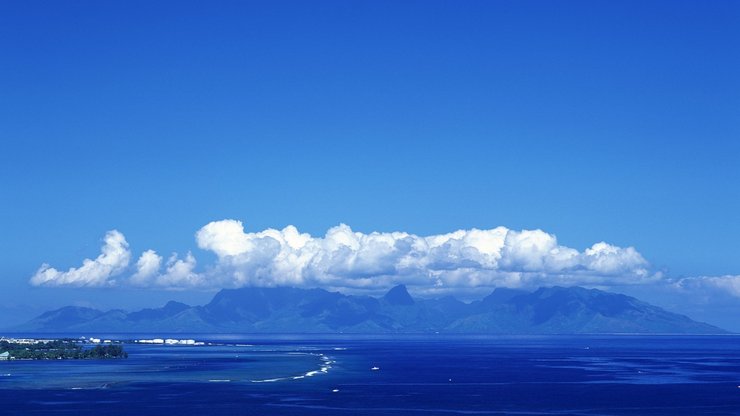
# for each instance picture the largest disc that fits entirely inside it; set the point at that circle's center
(178, 273)
(113, 259)
(147, 268)
(343, 258)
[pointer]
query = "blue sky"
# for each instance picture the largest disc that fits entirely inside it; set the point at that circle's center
(593, 121)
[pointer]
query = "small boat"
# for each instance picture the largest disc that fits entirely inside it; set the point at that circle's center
(375, 368)
(335, 391)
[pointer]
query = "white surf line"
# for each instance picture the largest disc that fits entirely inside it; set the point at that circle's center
(326, 363)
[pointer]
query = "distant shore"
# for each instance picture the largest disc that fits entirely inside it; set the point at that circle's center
(59, 349)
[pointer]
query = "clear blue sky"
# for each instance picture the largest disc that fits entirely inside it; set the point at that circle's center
(592, 120)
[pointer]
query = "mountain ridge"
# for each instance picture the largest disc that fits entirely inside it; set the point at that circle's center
(547, 310)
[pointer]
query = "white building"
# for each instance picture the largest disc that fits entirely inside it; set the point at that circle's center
(4, 356)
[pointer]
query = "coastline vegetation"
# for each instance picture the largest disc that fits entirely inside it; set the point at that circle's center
(61, 349)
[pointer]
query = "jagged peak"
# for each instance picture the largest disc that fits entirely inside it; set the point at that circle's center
(546, 310)
(398, 295)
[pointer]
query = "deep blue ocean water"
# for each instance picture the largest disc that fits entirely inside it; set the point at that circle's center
(417, 375)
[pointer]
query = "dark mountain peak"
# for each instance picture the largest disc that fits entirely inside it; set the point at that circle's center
(398, 295)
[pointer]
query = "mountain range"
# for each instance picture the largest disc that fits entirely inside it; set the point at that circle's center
(547, 310)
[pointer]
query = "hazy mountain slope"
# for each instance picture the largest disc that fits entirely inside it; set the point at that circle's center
(550, 310)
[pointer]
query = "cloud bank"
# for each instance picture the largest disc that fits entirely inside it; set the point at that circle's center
(346, 259)
(729, 284)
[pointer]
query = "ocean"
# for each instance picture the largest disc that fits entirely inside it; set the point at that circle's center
(387, 375)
